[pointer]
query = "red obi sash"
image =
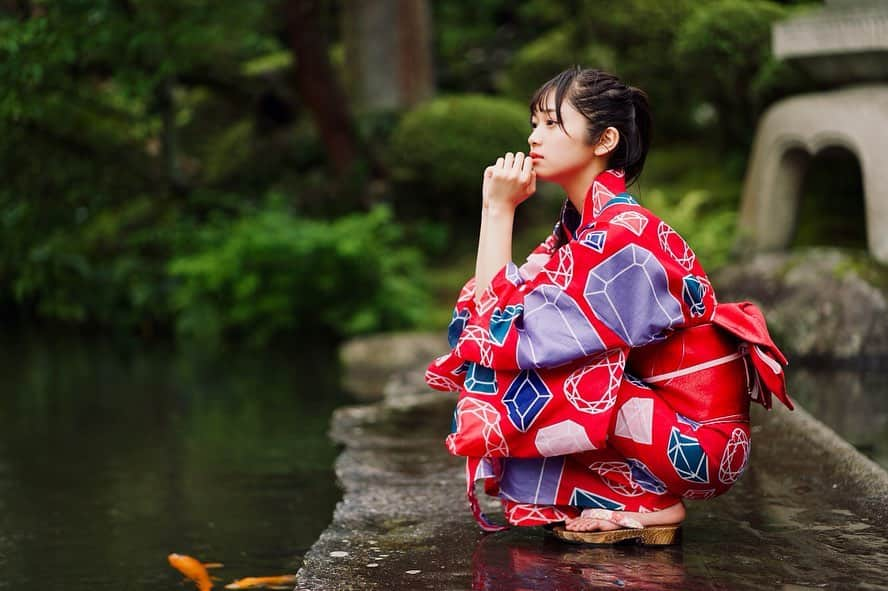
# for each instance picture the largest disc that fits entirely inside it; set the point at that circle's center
(710, 372)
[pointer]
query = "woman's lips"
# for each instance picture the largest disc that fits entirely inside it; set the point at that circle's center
(535, 156)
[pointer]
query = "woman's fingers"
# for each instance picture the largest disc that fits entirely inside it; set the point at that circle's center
(526, 169)
(509, 160)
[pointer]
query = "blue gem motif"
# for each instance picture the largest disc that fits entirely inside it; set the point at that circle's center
(501, 322)
(457, 324)
(525, 399)
(587, 500)
(687, 457)
(480, 379)
(453, 423)
(693, 291)
(594, 240)
(621, 199)
(643, 477)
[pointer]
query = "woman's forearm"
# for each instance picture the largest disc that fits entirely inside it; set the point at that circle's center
(494, 244)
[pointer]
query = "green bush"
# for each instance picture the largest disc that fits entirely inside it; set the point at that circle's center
(271, 274)
(99, 268)
(440, 149)
(709, 230)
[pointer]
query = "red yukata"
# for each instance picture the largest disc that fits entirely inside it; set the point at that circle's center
(603, 373)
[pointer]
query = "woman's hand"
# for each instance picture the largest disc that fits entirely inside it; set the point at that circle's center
(508, 182)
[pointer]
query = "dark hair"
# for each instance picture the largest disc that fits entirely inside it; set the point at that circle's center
(605, 101)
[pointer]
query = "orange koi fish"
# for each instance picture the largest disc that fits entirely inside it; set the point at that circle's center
(193, 569)
(278, 582)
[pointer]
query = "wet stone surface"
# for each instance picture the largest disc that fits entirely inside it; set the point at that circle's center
(810, 513)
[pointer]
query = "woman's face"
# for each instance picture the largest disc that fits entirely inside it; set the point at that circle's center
(559, 151)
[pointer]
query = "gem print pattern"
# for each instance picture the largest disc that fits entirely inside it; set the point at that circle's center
(603, 372)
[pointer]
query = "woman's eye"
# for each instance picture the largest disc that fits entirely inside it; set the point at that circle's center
(551, 122)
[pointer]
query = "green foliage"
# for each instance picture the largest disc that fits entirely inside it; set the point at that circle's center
(697, 192)
(641, 33)
(440, 150)
(270, 273)
(549, 54)
(734, 36)
(709, 231)
(101, 267)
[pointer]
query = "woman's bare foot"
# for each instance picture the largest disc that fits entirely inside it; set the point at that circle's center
(605, 520)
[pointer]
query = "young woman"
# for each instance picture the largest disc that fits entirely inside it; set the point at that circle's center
(600, 383)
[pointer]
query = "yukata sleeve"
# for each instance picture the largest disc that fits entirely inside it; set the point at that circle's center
(604, 290)
(447, 372)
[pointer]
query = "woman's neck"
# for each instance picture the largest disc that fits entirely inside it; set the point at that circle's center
(577, 186)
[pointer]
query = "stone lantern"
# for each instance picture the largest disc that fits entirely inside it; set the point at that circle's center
(844, 47)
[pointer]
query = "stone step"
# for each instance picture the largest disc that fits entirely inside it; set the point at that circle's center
(810, 513)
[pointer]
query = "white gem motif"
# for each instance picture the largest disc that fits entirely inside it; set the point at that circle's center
(563, 273)
(481, 337)
(467, 292)
(440, 382)
(487, 300)
(600, 195)
(527, 514)
(593, 388)
(472, 414)
(735, 458)
(635, 420)
(560, 439)
(675, 246)
(632, 221)
(617, 476)
(699, 494)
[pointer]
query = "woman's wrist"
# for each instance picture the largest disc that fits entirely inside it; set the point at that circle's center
(498, 209)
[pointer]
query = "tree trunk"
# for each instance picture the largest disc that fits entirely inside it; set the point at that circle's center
(318, 86)
(388, 52)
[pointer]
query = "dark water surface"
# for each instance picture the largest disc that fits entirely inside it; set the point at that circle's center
(852, 402)
(113, 456)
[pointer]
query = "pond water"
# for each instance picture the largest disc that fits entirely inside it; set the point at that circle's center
(113, 456)
(853, 403)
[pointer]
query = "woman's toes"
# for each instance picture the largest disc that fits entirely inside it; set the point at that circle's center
(587, 524)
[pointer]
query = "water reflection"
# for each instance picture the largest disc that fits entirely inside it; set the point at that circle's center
(854, 403)
(111, 457)
(528, 560)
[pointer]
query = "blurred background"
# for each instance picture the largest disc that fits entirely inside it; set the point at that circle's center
(215, 170)
(201, 199)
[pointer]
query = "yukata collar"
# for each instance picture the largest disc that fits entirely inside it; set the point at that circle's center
(607, 185)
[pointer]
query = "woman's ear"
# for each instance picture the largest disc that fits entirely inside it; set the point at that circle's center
(608, 141)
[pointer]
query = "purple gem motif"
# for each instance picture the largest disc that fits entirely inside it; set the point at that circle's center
(555, 330)
(629, 292)
(531, 480)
